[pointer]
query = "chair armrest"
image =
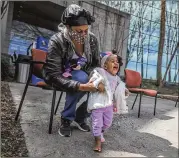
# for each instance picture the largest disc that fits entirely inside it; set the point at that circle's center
(23, 59)
(27, 60)
(38, 62)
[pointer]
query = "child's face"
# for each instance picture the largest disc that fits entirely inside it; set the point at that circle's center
(112, 65)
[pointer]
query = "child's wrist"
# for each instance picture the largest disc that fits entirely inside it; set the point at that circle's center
(115, 109)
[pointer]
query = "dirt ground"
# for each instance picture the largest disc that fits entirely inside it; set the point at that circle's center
(12, 137)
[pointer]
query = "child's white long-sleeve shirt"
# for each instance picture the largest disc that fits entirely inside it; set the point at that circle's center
(111, 96)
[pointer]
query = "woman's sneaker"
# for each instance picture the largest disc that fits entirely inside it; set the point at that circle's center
(82, 126)
(65, 129)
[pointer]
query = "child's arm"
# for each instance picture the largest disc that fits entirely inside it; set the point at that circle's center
(92, 77)
(96, 78)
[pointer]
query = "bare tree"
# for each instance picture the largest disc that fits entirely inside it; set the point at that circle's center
(171, 42)
(161, 43)
(165, 75)
(137, 24)
(175, 77)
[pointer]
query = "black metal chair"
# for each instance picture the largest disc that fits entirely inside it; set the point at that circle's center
(177, 101)
(36, 61)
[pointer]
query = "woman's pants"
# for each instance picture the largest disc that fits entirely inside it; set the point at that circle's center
(72, 99)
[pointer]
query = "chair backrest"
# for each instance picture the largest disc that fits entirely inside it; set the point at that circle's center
(38, 55)
(132, 78)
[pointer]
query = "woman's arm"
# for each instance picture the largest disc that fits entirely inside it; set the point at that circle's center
(53, 68)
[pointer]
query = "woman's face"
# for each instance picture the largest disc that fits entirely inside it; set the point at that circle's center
(79, 33)
(112, 65)
(81, 29)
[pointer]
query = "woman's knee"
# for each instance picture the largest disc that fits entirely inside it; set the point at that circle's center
(79, 75)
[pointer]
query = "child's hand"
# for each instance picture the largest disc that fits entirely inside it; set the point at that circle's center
(77, 68)
(114, 109)
(66, 74)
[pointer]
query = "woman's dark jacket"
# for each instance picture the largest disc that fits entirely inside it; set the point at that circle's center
(59, 51)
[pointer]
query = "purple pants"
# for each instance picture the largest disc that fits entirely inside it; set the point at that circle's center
(101, 119)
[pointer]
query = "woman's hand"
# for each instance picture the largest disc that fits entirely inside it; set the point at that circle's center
(101, 87)
(89, 87)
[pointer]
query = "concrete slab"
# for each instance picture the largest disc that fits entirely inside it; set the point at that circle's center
(147, 136)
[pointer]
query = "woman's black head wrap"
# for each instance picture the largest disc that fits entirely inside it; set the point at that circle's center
(75, 15)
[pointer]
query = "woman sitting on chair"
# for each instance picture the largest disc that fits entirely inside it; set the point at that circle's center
(72, 54)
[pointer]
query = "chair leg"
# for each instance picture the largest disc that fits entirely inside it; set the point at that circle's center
(139, 104)
(155, 104)
(87, 96)
(134, 101)
(52, 111)
(58, 102)
(176, 102)
(24, 94)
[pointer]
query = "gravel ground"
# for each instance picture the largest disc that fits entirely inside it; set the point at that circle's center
(129, 136)
(12, 137)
